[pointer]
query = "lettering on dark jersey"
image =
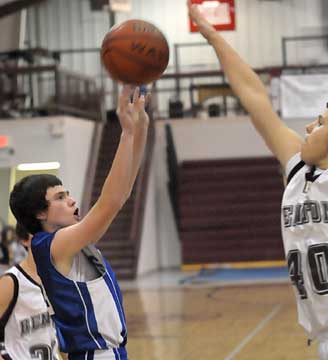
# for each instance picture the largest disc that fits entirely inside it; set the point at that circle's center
(34, 323)
(310, 211)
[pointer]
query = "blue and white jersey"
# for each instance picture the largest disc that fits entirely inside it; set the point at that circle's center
(87, 310)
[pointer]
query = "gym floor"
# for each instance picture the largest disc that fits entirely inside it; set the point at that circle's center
(168, 319)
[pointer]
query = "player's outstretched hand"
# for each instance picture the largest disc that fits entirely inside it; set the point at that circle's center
(206, 29)
(124, 110)
(132, 114)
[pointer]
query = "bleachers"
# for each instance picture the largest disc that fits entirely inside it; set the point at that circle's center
(121, 243)
(115, 244)
(229, 210)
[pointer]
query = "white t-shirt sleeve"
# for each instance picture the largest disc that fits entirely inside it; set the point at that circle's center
(292, 162)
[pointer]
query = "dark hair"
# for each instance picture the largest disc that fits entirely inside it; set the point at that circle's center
(21, 232)
(28, 199)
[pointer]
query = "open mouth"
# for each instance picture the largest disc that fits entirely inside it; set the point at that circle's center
(76, 213)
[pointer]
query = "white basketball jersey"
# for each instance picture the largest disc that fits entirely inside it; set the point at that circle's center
(305, 237)
(28, 330)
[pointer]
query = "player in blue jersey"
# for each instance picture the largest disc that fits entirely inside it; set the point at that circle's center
(82, 292)
(304, 210)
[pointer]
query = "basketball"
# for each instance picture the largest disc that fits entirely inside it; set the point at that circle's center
(135, 52)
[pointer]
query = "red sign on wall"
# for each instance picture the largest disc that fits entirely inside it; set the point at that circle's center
(4, 141)
(220, 13)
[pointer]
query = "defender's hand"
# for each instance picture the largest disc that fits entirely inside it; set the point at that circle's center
(206, 29)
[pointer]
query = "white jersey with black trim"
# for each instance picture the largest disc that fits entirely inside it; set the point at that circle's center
(26, 328)
(305, 236)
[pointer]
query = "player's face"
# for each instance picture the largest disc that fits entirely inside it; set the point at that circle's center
(62, 210)
(315, 148)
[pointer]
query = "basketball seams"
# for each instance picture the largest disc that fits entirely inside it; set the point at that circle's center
(133, 25)
(127, 56)
(135, 52)
(119, 75)
(112, 65)
(116, 38)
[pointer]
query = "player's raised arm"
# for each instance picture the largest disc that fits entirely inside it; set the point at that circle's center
(118, 184)
(140, 134)
(246, 84)
(6, 293)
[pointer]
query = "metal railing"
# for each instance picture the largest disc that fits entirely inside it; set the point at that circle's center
(36, 90)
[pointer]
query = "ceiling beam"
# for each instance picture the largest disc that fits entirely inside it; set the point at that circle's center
(16, 5)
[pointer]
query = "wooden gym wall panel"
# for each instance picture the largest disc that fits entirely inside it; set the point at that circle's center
(229, 210)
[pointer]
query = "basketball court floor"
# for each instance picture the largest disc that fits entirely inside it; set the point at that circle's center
(169, 318)
(175, 315)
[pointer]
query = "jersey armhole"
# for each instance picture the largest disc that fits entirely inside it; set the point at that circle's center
(3, 352)
(5, 317)
(293, 166)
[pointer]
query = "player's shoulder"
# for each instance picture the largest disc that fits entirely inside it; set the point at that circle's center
(294, 164)
(41, 238)
(6, 281)
(8, 290)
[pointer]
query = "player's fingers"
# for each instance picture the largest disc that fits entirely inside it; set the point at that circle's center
(124, 99)
(189, 4)
(193, 10)
(136, 95)
(147, 99)
(142, 102)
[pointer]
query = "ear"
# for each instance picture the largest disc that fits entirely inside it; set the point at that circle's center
(42, 215)
(26, 243)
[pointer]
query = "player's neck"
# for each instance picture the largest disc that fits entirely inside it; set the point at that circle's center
(28, 265)
(322, 163)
